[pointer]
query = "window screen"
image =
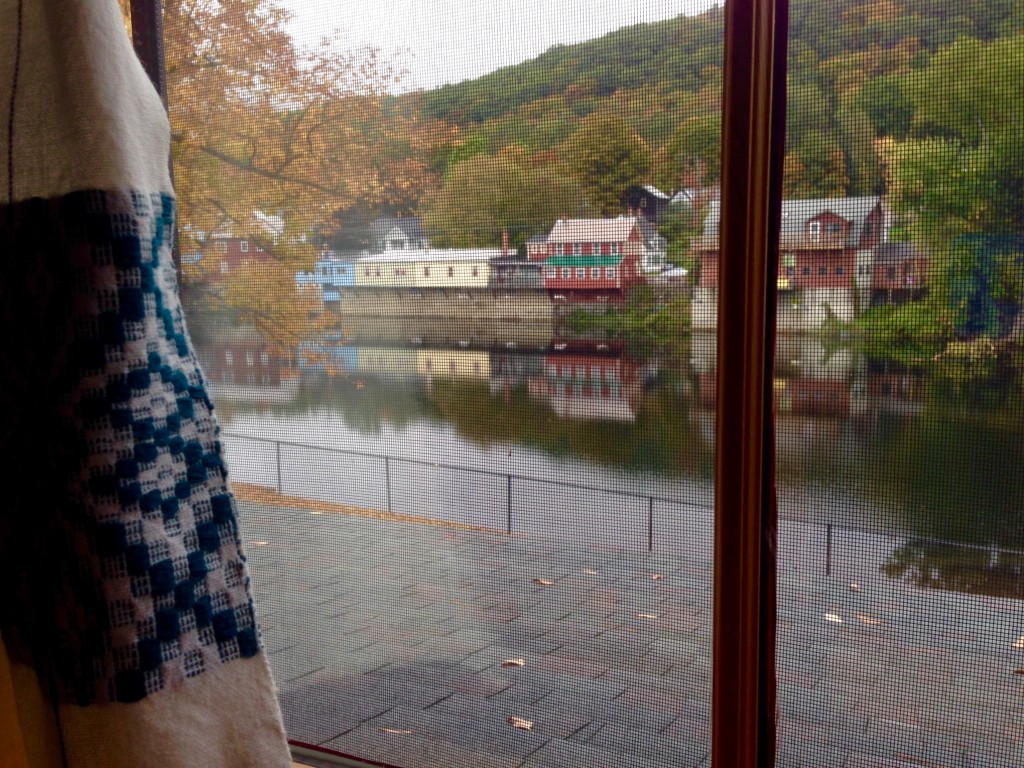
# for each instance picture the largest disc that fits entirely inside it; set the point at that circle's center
(477, 499)
(476, 476)
(897, 392)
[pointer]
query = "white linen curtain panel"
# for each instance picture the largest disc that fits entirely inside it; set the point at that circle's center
(123, 577)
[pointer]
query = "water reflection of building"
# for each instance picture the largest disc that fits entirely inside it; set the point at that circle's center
(453, 363)
(242, 366)
(580, 384)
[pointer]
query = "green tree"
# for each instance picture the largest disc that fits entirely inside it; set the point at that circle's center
(606, 155)
(512, 191)
(678, 224)
(695, 150)
(960, 178)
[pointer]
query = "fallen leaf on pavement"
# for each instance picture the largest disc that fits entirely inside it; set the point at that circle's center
(260, 543)
(856, 587)
(833, 618)
(1019, 645)
(543, 582)
(590, 572)
(647, 615)
(657, 577)
(514, 663)
(1018, 671)
(870, 620)
(521, 723)
(396, 730)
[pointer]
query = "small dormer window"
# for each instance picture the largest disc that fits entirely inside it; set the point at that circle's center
(814, 230)
(245, 246)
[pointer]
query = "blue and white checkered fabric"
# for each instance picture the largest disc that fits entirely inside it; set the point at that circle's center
(127, 552)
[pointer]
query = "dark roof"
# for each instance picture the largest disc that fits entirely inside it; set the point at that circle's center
(796, 214)
(538, 239)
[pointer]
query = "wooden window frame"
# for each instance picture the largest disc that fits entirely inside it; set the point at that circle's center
(753, 133)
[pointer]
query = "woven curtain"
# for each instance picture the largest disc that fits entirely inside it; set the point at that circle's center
(123, 582)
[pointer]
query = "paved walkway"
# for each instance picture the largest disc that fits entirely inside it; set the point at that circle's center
(387, 641)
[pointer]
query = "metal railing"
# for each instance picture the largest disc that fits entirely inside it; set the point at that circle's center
(509, 477)
(828, 538)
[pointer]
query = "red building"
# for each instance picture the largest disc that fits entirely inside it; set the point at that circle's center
(820, 241)
(900, 273)
(593, 258)
(223, 255)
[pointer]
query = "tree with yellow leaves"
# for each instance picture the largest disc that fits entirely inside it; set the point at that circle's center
(263, 130)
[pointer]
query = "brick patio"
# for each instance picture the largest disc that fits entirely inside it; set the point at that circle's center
(387, 640)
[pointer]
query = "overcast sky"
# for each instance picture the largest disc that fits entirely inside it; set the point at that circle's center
(451, 40)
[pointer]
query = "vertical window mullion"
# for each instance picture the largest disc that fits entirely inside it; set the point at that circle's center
(743, 698)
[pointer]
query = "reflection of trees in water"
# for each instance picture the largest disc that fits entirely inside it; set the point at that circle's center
(660, 439)
(954, 472)
(976, 571)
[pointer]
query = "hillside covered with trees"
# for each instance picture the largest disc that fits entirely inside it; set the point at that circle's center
(919, 99)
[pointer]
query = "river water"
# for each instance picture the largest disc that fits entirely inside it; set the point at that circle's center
(916, 472)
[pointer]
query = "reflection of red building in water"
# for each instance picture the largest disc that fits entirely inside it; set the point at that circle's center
(591, 386)
(244, 362)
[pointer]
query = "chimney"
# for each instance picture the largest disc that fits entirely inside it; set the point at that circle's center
(504, 243)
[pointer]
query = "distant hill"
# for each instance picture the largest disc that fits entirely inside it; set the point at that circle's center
(848, 67)
(685, 52)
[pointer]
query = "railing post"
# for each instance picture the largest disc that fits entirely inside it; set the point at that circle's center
(508, 504)
(650, 523)
(280, 480)
(828, 549)
(387, 481)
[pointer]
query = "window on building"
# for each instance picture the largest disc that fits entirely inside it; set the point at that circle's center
(229, 358)
(426, 271)
(475, 271)
(264, 358)
(609, 273)
(566, 273)
(581, 273)
(244, 246)
(451, 271)
(595, 273)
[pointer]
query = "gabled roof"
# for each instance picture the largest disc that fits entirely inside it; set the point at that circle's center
(411, 227)
(654, 191)
(538, 239)
(691, 195)
(592, 230)
(796, 214)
